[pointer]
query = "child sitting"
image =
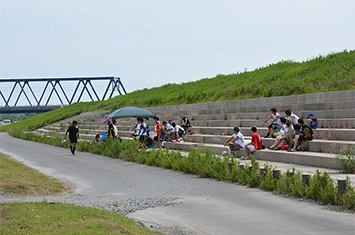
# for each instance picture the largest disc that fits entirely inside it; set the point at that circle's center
(235, 142)
(275, 122)
(312, 121)
(306, 133)
(256, 143)
(293, 119)
(178, 131)
(185, 123)
(284, 136)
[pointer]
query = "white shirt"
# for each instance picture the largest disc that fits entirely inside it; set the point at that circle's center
(169, 127)
(277, 121)
(115, 130)
(295, 119)
(240, 140)
(140, 129)
(177, 128)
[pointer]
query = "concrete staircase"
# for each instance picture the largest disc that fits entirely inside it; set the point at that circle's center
(213, 124)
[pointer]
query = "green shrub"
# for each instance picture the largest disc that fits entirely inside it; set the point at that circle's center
(282, 185)
(254, 179)
(322, 188)
(348, 199)
(269, 183)
(296, 185)
(347, 158)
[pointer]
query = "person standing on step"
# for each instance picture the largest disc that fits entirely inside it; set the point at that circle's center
(73, 136)
(235, 142)
(255, 144)
(275, 122)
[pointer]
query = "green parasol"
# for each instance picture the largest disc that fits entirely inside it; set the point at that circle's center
(130, 112)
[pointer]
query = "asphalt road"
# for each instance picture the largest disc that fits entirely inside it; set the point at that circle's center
(201, 206)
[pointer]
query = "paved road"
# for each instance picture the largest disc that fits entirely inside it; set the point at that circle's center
(201, 206)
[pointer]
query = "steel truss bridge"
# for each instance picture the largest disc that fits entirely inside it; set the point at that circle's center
(54, 86)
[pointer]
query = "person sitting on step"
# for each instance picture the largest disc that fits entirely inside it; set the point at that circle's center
(178, 131)
(255, 144)
(293, 119)
(185, 123)
(284, 135)
(275, 122)
(168, 129)
(235, 142)
(312, 121)
(306, 133)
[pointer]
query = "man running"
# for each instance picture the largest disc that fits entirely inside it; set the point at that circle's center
(73, 136)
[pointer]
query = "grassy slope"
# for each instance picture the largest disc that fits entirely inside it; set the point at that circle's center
(42, 218)
(17, 179)
(335, 72)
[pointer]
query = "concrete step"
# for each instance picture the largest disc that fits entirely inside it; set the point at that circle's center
(316, 145)
(323, 160)
(320, 133)
(233, 115)
(323, 123)
(296, 108)
(343, 123)
(318, 101)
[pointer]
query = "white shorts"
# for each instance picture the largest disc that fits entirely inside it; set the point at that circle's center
(251, 148)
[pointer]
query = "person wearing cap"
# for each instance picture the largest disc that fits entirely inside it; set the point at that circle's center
(312, 121)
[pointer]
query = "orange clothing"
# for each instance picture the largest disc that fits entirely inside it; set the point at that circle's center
(257, 141)
(158, 128)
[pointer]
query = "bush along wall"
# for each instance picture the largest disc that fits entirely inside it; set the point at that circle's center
(319, 187)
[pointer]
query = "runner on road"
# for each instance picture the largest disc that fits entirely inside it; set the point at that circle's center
(73, 136)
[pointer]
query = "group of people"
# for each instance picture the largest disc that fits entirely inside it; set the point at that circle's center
(290, 131)
(165, 131)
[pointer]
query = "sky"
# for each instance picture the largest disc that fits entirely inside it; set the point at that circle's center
(149, 43)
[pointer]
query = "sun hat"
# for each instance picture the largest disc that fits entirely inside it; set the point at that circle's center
(106, 120)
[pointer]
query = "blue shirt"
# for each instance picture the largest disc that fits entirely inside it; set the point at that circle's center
(314, 126)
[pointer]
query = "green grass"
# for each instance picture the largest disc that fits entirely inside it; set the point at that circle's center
(42, 218)
(334, 72)
(17, 179)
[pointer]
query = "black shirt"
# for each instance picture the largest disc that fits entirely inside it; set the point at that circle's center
(111, 130)
(73, 131)
(186, 121)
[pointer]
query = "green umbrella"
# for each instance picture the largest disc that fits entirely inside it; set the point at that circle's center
(130, 112)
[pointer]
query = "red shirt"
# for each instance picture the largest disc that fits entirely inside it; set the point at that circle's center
(158, 128)
(257, 141)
